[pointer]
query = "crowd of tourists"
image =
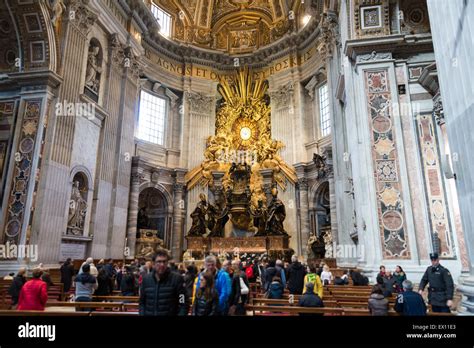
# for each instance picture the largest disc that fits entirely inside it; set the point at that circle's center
(224, 287)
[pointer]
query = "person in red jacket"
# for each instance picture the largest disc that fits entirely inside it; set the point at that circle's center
(34, 293)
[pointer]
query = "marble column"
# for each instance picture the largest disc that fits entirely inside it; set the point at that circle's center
(178, 216)
(129, 252)
(304, 213)
(332, 207)
(20, 201)
(455, 76)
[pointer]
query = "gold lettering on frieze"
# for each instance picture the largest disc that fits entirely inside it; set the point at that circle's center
(307, 55)
(206, 73)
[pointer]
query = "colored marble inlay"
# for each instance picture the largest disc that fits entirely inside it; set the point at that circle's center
(440, 230)
(22, 178)
(386, 167)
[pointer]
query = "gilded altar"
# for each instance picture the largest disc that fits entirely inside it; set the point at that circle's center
(198, 247)
(245, 214)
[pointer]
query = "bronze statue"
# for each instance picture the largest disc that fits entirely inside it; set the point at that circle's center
(260, 215)
(198, 216)
(276, 216)
(220, 217)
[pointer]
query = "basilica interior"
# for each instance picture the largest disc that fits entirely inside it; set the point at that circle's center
(326, 129)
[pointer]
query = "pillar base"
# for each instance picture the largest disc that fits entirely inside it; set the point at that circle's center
(467, 290)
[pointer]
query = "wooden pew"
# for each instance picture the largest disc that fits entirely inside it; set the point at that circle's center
(271, 302)
(112, 314)
(116, 298)
(130, 307)
(294, 310)
(15, 313)
(95, 305)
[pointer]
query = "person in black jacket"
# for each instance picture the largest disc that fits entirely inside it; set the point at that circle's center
(296, 273)
(358, 279)
(310, 299)
(270, 272)
(207, 299)
(128, 284)
(67, 272)
(162, 292)
(189, 277)
(46, 277)
(240, 288)
(16, 285)
(381, 274)
(389, 284)
(105, 284)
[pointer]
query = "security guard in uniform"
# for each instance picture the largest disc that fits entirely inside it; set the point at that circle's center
(441, 286)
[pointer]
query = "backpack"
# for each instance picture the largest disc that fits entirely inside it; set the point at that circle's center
(249, 272)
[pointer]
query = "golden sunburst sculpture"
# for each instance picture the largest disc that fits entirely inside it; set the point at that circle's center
(243, 130)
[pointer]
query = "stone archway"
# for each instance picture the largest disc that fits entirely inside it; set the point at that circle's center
(320, 219)
(154, 222)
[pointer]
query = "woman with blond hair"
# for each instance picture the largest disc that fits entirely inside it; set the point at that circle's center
(326, 275)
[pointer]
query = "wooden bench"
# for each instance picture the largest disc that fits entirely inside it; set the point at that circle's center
(116, 298)
(16, 313)
(94, 305)
(130, 307)
(271, 302)
(294, 310)
(112, 314)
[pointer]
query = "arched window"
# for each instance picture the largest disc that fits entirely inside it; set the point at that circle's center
(152, 118)
(163, 18)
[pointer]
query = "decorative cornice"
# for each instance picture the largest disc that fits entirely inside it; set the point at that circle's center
(429, 79)
(374, 56)
(394, 43)
(40, 78)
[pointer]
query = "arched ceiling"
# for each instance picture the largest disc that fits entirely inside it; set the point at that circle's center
(235, 26)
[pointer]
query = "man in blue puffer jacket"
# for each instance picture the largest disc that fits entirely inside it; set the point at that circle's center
(222, 284)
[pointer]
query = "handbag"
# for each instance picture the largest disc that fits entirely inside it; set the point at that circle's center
(244, 290)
